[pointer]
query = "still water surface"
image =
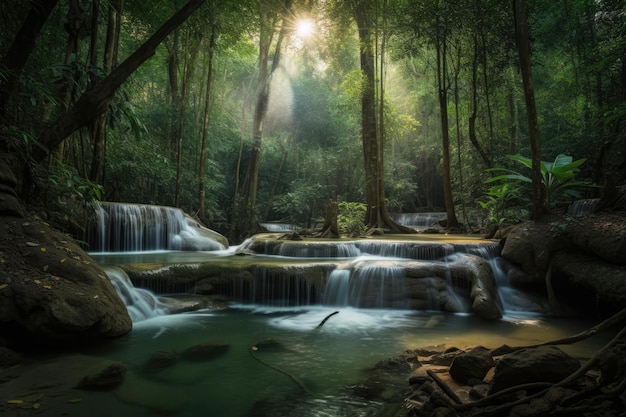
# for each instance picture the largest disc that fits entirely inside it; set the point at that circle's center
(326, 360)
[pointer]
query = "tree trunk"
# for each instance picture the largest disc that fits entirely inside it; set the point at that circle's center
(22, 46)
(472, 118)
(522, 38)
(330, 228)
(98, 128)
(441, 50)
(376, 215)
(205, 123)
(96, 100)
(245, 202)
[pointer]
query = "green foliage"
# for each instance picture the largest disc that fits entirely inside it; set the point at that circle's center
(20, 140)
(499, 201)
(557, 178)
(351, 217)
(66, 182)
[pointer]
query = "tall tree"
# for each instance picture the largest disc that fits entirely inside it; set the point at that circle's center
(271, 13)
(96, 100)
(207, 111)
(522, 38)
(98, 126)
(364, 12)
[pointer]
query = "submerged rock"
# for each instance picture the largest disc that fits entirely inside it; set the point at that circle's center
(107, 379)
(160, 360)
(205, 351)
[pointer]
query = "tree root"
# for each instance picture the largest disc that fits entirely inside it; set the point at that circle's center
(444, 387)
(591, 363)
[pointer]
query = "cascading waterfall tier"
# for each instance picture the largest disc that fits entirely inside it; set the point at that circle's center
(120, 227)
(419, 220)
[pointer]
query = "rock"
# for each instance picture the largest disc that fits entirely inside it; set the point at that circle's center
(601, 235)
(541, 364)
(205, 351)
(473, 364)
(107, 379)
(52, 292)
(271, 345)
(530, 245)
(578, 275)
(160, 360)
(8, 358)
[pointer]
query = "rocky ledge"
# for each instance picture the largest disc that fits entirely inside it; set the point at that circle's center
(579, 262)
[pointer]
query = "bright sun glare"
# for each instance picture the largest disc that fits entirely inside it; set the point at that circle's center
(304, 28)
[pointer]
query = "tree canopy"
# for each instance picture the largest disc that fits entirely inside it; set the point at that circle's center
(229, 110)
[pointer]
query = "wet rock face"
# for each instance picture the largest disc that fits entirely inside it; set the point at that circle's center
(51, 291)
(583, 256)
(471, 365)
(541, 364)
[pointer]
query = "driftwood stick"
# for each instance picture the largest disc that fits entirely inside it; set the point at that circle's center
(326, 318)
(444, 387)
(299, 383)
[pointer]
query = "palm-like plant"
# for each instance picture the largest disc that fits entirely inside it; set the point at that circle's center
(557, 177)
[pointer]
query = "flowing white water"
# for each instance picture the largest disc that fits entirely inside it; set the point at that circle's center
(141, 304)
(120, 227)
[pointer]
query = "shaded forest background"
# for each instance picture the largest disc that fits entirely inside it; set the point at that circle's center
(181, 129)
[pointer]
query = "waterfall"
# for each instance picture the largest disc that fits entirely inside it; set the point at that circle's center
(141, 304)
(367, 285)
(584, 207)
(274, 288)
(421, 220)
(119, 227)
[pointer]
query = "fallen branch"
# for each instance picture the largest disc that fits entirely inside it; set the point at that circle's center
(326, 318)
(444, 387)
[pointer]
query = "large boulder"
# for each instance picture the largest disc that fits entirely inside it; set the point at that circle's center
(471, 365)
(51, 291)
(540, 364)
(582, 258)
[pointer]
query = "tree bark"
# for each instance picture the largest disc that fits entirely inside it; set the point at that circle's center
(205, 123)
(522, 38)
(98, 127)
(376, 215)
(245, 202)
(96, 100)
(22, 47)
(442, 88)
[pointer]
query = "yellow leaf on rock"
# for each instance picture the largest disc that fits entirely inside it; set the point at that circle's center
(37, 282)
(47, 287)
(63, 260)
(43, 249)
(3, 286)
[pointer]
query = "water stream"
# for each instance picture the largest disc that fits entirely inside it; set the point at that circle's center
(373, 322)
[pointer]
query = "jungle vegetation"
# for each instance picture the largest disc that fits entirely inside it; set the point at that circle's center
(250, 111)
